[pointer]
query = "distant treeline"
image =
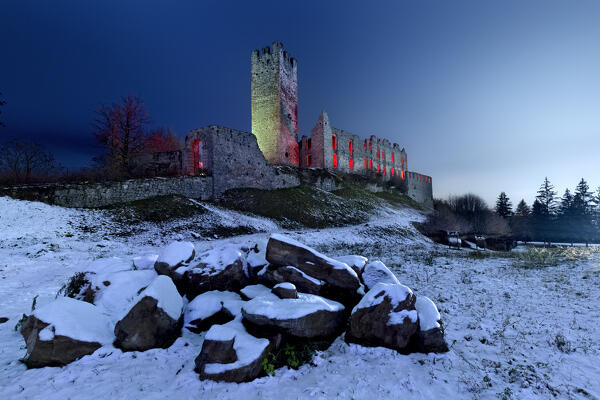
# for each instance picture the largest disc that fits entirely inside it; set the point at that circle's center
(574, 217)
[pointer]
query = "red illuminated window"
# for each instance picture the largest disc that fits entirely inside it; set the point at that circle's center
(384, 169)
(365, 146)
(377, 153)
(392, 171)
(350, 147)
(351, 163)
(383, 154)
(334, 142)
(371, 163)
(335, 161)
(377, 168)
(198, 164)
(365, 162)
(402, 174)
(392, 157)
(401, 161)
(308, 160)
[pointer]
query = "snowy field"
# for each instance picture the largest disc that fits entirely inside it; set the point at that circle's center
(514, 333)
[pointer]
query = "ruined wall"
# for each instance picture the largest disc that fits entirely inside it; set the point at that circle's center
(274, 98)
(91, 195)
(164, 163)
(234, 160)
(420, 188)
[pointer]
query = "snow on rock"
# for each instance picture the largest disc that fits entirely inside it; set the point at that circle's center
(145, 262)
(396, 294)
(384, 317)
(173, 256)
(63, 331)
(307, 316)
(103, 266)
(285, 290)
(229, 353)
(342, 282)
(253, 291)
(116, 292)
(429, 316)
(76, 319)
(375, 272)
(221, 268)
(154, 320)
(357, 263)
(210, 308)
(273, 275)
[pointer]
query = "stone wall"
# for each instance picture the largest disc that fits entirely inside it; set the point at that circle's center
(91, 195)
(234, 160)
(420, 188)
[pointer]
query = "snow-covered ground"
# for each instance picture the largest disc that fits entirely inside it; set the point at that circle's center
(514, 333)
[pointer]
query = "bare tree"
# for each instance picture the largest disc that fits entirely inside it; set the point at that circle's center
(2, 103)
(120, 129)
(25, 161)
(160, 140)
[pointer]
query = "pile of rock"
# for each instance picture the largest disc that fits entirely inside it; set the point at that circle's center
(248, 302)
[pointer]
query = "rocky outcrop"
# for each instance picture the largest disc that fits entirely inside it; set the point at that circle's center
(386, 316)
(306, 317)
(155, 319)
(212, 308)
(357, 263)
(273, 275)
(341, 282)
(64, 331)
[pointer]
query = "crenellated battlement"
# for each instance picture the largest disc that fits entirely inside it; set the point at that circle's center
(273, 54)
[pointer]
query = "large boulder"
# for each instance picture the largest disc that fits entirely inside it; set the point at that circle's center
(64, 331)
(273, 275)
(231, 354)
(430, 336)
(341, 282)
(306, 317)
(212, 308)
(174, 255)
(385, 316)
(223, 268)
(376, 272)
(154, 320)
(285, 290)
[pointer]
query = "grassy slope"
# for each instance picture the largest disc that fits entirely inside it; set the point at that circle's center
(310, 207)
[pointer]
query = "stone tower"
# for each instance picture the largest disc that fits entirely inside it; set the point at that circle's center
(275, 104)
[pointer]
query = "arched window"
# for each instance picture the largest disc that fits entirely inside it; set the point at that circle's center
(370, 145)
(371, 163)
(351, 163)
(366, 166)
(392, 158)
(383, 154)
(378, 168)
(350, 147)
(334, 160)
(378, 154)
(392, 170)
(384, 170)
(334, 142)
(308, 160)
(402, 174)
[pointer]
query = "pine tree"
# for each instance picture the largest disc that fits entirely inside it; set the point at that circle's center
(523, 209)
(547, 198)
(582, 200)
(503, 206)
(582, 212)
(566, 203)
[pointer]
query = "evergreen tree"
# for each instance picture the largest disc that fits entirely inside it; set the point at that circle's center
(547, 198)
(503, 206)
(582, 201)
(581, 214)
(565, 217)
(523, 210)
(566, 203)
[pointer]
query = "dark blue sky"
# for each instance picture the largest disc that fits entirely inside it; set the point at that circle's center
(485, 96)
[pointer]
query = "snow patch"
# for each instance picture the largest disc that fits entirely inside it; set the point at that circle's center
(145, 262)
(375, 272)
(164, 291)
(210, 303)
(397, 318)
(310, 278)
(176, 253)
(75, 319)
(353, 260)
(285, 285)
(428, 313)
(282, 309)
(397, 293)
(253, 291)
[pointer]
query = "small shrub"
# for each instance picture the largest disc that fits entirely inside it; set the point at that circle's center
(74, 288)
(537, 258)
(268, 365)
(562, 343)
